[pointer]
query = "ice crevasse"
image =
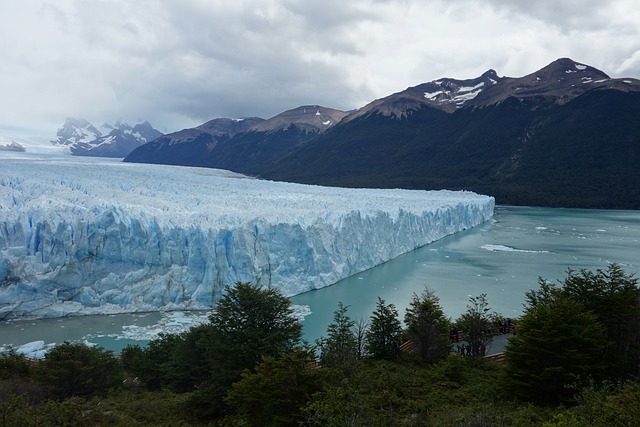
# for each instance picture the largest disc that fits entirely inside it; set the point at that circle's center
(83, 237)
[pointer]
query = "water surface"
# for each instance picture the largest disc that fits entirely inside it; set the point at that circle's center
(502, 258)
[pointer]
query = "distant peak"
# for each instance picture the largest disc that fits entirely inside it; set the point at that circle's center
(143, 125)
(564, 61)
(568, 65)
(490, 73)
(308, 117)
(76, 121)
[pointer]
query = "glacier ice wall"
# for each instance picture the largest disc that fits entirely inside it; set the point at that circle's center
(94, 236)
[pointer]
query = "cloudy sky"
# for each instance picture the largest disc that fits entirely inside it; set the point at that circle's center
(179, 63)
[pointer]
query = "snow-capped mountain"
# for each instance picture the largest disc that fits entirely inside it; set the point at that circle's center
(84, 139)
(76, 131)
(12, 146)
(566, 135)
(560, 82)
(90, 237)
(444, 94)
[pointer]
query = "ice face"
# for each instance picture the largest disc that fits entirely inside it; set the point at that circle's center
(94, 236)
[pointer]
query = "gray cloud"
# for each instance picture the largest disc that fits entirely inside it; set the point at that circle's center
(179, 63)
(566, 15)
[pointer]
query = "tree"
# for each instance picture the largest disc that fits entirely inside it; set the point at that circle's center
(360, 330)
(476, 325)
(385, 332)
(339, 349)
(78, 370)
(558, 344)
(428, 326)
(154, 365)
(275, 392)
(14, 365)
(178, 362)
(614, 298)
(248, 324)
(587, 328)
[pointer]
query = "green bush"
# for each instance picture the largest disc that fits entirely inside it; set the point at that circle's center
(70, 370)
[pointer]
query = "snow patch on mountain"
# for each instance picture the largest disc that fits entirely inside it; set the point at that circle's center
(454, 92)
(91, 237)
(76, 131)
(83, 139)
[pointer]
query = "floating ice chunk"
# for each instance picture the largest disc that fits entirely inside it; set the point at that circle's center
(35, 349)
(30, 347)
(301, 311)
(502, 248)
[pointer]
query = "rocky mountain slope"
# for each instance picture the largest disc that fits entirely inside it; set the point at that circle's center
(239, 144)
(565, 135)
(12, 146)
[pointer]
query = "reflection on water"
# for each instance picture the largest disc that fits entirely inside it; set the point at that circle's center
(502, 258)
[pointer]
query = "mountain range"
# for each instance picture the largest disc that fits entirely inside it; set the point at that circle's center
(84, 139)
(566, 135)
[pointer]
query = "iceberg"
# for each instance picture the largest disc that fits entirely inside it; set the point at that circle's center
(96, 236)
(35, 349)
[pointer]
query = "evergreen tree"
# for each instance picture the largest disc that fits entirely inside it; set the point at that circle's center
(339, 349)
(614, 298)
(14, 365)
(76, 370)
(248, 324)
(275, 392)
(384, 336)
(558, 344)
(156, 364)
(427, 326)
(588, 327)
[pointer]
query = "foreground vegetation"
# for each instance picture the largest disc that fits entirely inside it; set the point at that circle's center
(574, 361)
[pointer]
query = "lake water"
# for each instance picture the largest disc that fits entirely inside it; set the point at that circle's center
(502, 258)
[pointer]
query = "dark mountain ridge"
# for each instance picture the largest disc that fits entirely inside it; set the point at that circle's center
(566, 135)
(239, 144)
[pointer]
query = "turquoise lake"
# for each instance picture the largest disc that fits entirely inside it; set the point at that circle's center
(502, 258)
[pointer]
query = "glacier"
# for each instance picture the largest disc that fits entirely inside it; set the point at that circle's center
(98, 236)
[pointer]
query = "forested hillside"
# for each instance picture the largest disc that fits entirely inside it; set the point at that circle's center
(523, 152)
